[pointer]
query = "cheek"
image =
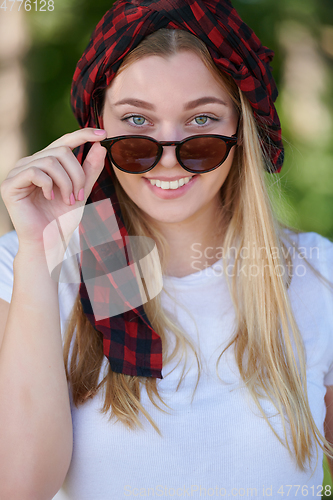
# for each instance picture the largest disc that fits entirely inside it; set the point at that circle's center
(129, 182)
(222, 172)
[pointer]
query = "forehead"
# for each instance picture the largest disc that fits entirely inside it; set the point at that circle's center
(158, 78)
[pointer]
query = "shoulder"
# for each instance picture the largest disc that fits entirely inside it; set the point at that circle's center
(307, 240)
(310, 250)
(311, 270)
(311, 298)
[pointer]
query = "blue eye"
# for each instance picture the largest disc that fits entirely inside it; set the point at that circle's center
(201, 120)
(137, 120)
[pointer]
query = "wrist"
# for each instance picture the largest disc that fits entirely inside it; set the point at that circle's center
(30, 264)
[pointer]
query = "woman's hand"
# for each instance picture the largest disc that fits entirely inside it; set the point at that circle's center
(27, 190)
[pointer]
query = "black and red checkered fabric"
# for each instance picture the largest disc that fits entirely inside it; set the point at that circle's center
(130, 343)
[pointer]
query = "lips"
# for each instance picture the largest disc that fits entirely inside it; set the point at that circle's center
(171, 184)
(169, 194)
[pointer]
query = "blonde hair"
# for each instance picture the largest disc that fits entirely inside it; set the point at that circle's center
(266, 329)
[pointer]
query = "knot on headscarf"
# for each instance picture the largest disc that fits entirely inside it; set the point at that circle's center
(130, 343)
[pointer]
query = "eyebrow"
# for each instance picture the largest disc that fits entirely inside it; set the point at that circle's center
(203, 100)
(138, 103)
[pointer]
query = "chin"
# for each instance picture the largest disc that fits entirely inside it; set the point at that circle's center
(167, 217)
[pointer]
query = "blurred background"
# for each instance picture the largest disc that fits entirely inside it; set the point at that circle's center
(39, 51)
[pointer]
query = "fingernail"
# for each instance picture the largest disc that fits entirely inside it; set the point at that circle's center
(99, 131)
(80, 196)
(72, 199)
(52, 195)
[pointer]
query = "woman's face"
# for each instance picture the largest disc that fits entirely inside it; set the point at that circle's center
(169, 100)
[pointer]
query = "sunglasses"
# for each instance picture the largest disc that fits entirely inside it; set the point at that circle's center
(137, 154)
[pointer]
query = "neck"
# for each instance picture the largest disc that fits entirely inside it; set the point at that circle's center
(194, 244)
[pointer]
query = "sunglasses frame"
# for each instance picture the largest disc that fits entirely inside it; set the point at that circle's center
(109, 142)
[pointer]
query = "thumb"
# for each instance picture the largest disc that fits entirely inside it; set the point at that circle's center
(93, 166)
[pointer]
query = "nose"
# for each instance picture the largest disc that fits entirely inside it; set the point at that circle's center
(169, 132)
(168, 158)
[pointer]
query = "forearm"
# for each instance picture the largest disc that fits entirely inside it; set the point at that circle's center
(35, 419)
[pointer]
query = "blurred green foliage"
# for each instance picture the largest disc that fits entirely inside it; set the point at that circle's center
(59, 38)
(327, 476)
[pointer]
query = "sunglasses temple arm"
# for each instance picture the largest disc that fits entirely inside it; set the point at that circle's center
(95, 113)
(238, 125)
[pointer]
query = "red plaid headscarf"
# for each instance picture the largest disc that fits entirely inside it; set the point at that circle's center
(130, 343)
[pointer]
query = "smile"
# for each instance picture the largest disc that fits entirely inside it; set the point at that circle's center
(171, 184)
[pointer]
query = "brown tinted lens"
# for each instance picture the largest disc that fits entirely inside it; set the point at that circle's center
(202, 153)
(134, 154)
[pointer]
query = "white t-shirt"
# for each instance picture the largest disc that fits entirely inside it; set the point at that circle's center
(218, 444)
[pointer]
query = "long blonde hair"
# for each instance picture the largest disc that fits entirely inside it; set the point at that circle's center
(266, 329)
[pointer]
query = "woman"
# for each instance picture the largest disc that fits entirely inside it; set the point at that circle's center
(241, 330)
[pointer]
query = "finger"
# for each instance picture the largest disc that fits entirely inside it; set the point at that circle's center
(64, 157)
(59, 152)
(93, 166)
(21, 185)
(79, 137)
(56, 171)
(71, 141)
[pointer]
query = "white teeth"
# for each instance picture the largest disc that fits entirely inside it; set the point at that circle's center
(171, 184)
